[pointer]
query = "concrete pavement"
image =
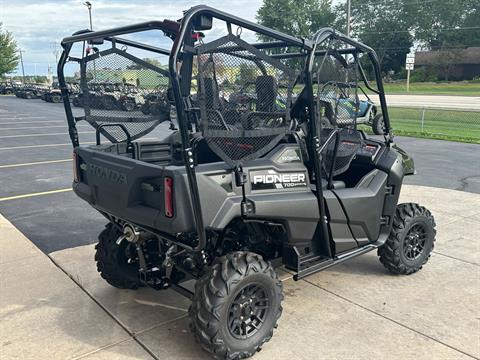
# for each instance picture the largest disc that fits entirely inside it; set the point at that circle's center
(60, 308)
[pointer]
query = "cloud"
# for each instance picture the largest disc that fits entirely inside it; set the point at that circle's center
(38, 25)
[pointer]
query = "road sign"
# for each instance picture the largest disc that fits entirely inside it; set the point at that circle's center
(410, 58)
(409, 61)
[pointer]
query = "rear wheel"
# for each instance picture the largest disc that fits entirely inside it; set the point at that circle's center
(128, 105)
(378, 125)
(411, 240)
(108, 103)
(113, 259)
(56, 98)
(236, 306)
(145, 109)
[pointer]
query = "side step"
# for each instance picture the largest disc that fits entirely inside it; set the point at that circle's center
(311, 263)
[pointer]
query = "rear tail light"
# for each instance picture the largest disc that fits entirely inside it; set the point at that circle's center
(76, 174)
(168, 196)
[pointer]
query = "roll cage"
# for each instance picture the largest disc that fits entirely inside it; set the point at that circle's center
(184, 34)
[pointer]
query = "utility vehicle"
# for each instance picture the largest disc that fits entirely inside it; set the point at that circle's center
(54, 94)
(31, 91)
(229, 192)
(131, 98)
(7, 88)
(360, 111)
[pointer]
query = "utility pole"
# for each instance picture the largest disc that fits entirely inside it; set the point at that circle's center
(348, 32)
(23, 69)
(348, 16)
(55, 51)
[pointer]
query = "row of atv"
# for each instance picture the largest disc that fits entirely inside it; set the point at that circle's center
(120, 96)
(30, 91)
(54, 94)
(50, 94)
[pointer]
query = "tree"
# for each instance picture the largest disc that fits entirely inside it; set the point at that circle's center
(8, 52)
(297, 18)
(383, 26)
(247, 73)
(446, 24)
(151, 61)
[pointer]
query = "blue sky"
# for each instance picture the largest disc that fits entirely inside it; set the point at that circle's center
(37, 25)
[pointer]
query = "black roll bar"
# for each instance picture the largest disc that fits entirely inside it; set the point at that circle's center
(185, 29)
(166, 26)
(138, 45)
(72, 129)
(329, 33)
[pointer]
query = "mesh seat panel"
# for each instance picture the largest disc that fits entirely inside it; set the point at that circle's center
(244, 98)
(118, 88)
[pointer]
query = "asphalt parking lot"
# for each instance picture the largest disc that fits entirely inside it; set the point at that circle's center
(354, 310)
(36, 174)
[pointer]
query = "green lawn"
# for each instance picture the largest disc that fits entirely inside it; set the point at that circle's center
(441, 88)
(438, 124)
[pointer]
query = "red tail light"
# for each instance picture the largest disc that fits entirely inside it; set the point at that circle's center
(76, 175)
(168, 196)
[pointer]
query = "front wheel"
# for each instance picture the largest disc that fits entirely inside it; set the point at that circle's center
(411, 240)
(378, 125)
(236, 306)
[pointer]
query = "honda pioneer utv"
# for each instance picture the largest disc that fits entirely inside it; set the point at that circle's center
(231, 192)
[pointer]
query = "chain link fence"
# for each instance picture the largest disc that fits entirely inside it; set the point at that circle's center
(455, 125)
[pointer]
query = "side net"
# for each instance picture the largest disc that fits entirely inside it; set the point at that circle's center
(244, 97)
(338, 105)
(118, 89)
(336, 81)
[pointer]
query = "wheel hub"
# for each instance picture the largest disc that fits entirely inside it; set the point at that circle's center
(248, 311)
(414, 243)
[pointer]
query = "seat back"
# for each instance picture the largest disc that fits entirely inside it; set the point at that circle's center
(212, 95)
(337, 162)
(266, 89)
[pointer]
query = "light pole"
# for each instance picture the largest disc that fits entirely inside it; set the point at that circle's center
(88, 4)
(23, 69)
(89, 7)
(348, 17)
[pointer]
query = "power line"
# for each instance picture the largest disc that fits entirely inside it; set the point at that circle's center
(386, 2)
(470, 28)
(408, 48)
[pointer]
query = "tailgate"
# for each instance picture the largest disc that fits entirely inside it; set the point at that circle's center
(134, 190)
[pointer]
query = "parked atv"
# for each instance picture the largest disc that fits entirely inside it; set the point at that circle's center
(345, 96)
(31, 91)
(238, 191)
(101, 95)
(7, 88)
(131, 98)
(156, 103)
